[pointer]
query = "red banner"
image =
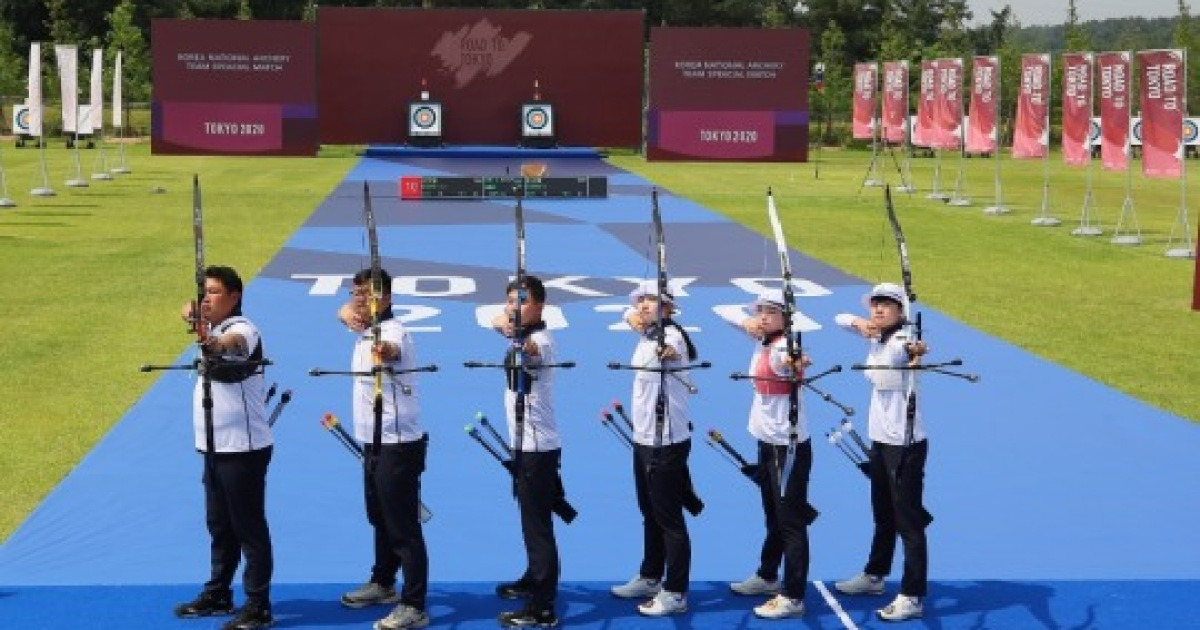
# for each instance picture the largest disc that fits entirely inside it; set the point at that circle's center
(865, 81)
(1164, 84)
(926, 104)
(985, 103)
(948, 114)
(1076, 107)
(1031, 135)
(895, 101)
(1114, 80)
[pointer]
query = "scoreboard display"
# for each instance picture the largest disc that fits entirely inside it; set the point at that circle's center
(416, 187)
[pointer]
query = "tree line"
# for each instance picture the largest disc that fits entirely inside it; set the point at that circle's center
(843, 32)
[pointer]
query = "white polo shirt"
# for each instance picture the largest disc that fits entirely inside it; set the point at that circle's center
(677, 425)
(239, 412)
(400, 410)
(888, 415)
(540, 427)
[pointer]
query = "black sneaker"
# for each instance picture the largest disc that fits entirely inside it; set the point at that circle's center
(529, 617)
(514, 590)
(251, 617)
(206, 605)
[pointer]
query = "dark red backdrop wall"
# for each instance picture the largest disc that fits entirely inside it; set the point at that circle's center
(728, 94)
(481, 66)
(1196, 278)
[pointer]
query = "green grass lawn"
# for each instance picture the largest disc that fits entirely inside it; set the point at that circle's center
(93, 278)
(93, 281)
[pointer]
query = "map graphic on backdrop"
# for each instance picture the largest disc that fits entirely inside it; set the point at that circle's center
(489, 55)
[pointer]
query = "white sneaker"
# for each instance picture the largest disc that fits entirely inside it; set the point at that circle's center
(665, 603)
(403, 617)
(780, 607)
(902, 608)
(861, 584)
(637, 588)
(755, 585)
(370, 594)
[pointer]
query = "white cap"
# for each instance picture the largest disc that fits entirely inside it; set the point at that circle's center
(648, 287)
(889, 290)
(771, 297)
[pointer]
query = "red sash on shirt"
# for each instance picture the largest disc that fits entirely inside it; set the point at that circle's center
(763, 375)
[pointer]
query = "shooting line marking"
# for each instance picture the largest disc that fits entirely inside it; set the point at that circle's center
(833, 603)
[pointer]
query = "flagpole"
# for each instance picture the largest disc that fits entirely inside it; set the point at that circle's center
(936, 193)
(5, 200)
(118, 117)
(906, 185)
(1089, 225)
(45, 190)
(68, 73)
(873, 170)
(78, 181)
(1188, 250)
(862, 73)
(37, 118)
(1044, 219)
(999, 207)
(96, 116)
(957, 199)
(1120, 237)
(1127, 206)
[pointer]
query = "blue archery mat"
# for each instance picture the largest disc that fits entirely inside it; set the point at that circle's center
(1041, 480)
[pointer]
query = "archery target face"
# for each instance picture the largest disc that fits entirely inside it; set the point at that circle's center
(20, 122)
(537, 119)
(425, 119)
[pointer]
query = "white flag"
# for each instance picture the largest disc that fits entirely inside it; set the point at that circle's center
(35, 90)
(116, 116)
(96, 111)
(34, 101)
(67, 56)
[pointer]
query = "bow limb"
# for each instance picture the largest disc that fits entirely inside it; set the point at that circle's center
(660, 333)
(792, 340)
(519, 377)
(912, 321)
(374, 304)
(198, 324)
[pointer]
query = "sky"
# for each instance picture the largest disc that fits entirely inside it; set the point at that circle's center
(1043, 12)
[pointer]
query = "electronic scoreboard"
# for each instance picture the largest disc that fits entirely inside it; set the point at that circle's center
(416, 187)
